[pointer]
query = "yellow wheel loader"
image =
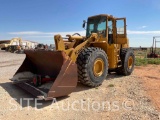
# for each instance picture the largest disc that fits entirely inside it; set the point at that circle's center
(48, 74)
(11, 45)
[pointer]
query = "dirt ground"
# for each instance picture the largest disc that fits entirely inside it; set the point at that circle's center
(150, 75)
(132, 97)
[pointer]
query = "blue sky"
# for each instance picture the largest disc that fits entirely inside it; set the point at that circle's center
(40, 20)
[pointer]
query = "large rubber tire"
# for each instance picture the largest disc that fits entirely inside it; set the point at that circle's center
(125, 55)
(85, 62)
(3, 48)
(9, 49)
(6, 49)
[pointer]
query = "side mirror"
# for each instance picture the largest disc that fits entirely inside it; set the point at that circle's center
(84, 23)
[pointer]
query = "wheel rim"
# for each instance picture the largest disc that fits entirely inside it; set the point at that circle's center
(98, 67)
(130, 62)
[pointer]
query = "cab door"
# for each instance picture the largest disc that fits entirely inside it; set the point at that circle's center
(121, 33)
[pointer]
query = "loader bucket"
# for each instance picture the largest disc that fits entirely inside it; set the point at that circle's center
(51, 64)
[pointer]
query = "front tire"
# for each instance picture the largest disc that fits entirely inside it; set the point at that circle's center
(92, 66)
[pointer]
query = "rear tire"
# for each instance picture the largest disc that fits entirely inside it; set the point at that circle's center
(9, 49)
(92, 66)
(127, 61)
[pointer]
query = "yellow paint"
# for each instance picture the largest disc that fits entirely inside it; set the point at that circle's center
(98, 68)
(76, 44)
(59, 42)
(130, 62)
(5, 45)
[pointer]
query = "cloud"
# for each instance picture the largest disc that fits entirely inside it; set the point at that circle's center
(27, 33)
(137, 37)
(39, 34)
(143, 32)
(142, 27)
(51, 34)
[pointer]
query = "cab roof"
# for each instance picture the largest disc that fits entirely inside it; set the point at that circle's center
(105, 15)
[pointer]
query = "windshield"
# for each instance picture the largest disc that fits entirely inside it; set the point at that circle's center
(96, 25)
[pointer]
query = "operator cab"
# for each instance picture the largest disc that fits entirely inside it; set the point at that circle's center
(96, 25)
(107, 26)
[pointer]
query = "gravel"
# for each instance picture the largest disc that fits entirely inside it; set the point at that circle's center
(118, 98)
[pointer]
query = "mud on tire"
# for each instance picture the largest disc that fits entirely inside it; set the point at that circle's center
(85, 63)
